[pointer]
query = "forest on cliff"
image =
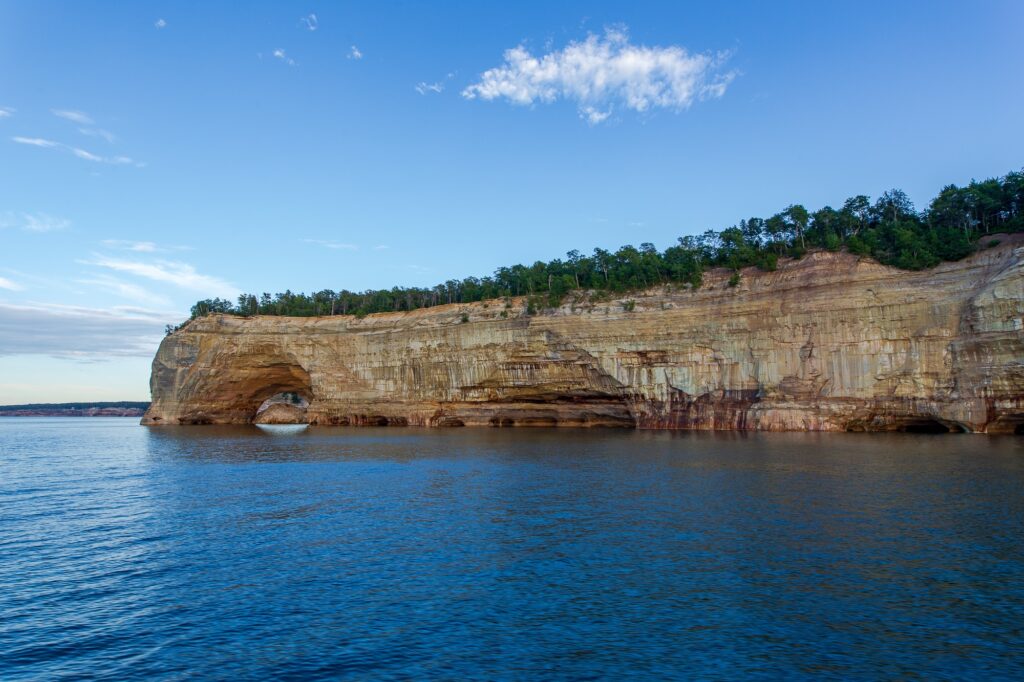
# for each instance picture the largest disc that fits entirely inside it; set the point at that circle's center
(889, 230)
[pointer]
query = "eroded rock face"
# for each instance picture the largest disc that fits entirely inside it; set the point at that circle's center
(281, 413)
(827, 343)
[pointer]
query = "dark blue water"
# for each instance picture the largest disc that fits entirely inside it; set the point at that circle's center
(231, 553)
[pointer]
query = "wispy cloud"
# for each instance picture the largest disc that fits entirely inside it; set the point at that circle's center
(9, 285)
(425, 88)
(78, 152)
(128, 245)
(160, 23)
(83, 119)
(181, 275)
(119, 287)
(141, 247)
(98, 132)
(79, 117)
(113, 160)
(354, 53)
(310, 22)
(37, 142)
(33, 281)
(381, 247)
(601, 73)
(41, 222)
(279, 53)
(32, 222)
(6, 112)
(88, 156)
(79, 332)
(328, 244)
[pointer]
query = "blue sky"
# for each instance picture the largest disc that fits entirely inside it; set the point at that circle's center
(155, 153)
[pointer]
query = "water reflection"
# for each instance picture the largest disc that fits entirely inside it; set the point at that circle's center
(241, 553)
(282, 429)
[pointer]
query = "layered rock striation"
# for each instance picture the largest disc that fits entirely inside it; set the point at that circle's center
(826, 343)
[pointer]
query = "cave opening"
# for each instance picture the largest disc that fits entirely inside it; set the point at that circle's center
(274, 392)
(928, 426)
(1007, 424)
(284, 407)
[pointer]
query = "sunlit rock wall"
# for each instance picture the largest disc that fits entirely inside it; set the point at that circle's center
(827, 343)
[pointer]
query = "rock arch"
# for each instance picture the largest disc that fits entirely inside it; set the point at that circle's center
(263, 383)
(234, 394)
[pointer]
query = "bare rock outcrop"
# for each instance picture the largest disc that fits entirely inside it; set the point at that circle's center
(281, 413)
(826, 343)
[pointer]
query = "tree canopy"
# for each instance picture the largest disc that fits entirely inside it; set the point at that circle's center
(890, 230)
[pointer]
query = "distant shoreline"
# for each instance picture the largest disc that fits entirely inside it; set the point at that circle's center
(122, 408)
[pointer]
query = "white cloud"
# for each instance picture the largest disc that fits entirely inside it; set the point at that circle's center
(41, 222)
(279, 53)
(37, 142)
(9, 285)
(310, 22)
(33, 222)
(141, 247)
(113, 160)
(605, 72)
(128, 245)
(79, 117)
(98, 132)
(354, 53)
(80, 153)
(37, 282)
(381, 247)
(83, 119)
(124, 289)
(593, 115)
(328, 244)
(424, 88)
(181, 275)
(88, 156)
(6, 112)
(160, 23)
(79, 332)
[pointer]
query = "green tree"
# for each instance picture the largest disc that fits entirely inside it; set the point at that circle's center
(890, 230)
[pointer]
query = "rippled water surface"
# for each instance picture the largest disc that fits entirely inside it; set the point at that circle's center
(239, 553)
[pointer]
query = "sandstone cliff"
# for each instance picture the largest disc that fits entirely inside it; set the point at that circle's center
(830, 342)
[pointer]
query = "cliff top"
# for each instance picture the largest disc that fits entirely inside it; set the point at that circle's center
(816, 268)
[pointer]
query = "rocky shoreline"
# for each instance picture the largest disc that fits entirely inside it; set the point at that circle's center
(55, 411)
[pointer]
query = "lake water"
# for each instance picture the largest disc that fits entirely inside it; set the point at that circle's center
(238, 553)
